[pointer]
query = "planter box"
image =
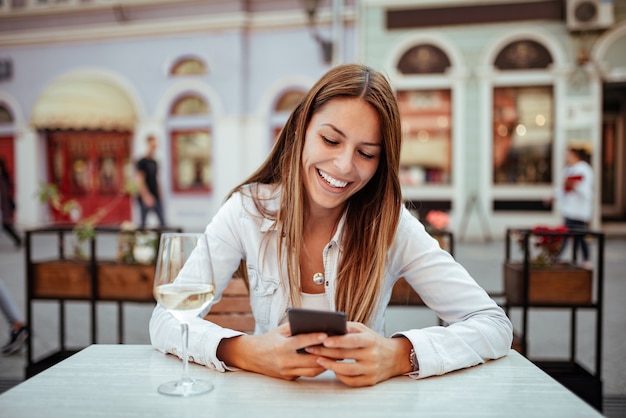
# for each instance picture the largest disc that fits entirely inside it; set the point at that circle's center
(65, 279)
(71, 279)
(561, 284)
(132, 282)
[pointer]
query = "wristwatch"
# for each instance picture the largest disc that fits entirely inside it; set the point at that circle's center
(414, 363)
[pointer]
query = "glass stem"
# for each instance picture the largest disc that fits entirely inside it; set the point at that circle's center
(184, 327)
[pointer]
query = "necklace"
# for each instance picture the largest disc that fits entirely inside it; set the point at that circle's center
(318, 278)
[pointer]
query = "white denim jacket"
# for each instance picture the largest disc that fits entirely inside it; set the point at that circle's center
(478, 328)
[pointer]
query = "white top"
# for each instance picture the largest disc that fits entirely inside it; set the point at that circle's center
(575, 197)
(478, 328)
(122, 380)
(316, 301)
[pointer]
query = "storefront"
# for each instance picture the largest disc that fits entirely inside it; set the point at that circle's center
(80, 100)
(491, 95)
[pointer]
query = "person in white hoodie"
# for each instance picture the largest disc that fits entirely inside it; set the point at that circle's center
(575, 198)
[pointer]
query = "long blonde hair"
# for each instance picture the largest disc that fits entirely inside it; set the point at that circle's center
(372, 214)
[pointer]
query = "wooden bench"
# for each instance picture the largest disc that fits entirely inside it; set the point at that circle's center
(233, 310)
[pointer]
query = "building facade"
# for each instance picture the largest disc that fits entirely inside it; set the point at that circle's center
(507, 86)
(491, 93)
(87, 82)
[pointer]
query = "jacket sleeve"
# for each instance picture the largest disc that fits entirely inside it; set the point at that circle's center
(477, 328)
(205, 336)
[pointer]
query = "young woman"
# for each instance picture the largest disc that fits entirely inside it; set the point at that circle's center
(321, 225)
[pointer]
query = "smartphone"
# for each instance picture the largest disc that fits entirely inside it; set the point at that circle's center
(306, 321)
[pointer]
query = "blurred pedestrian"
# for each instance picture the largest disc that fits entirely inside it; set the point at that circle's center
(18, 332)
(7, 204)
(149, 195)
(575, 198)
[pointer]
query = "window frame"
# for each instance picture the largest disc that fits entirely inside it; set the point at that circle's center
(185, 124)
(175, 160)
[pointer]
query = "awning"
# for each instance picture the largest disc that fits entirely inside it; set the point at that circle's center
(83, 100)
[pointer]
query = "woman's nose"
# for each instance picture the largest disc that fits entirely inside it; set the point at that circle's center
(343, 161)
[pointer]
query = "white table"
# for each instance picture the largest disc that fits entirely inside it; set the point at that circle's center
(122, 380)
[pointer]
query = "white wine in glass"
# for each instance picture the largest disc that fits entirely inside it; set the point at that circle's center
(183, 284)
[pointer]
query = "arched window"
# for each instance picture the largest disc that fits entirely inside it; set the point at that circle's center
(426, 155)
(288, 101)
(190, 105)
(523, 55)
(285, 104)
(423, 59)
(5, 115)
(190, 132)
(523, 119)
(189, 66)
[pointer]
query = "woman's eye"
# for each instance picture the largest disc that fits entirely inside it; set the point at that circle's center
(366, 155)
(329, 141)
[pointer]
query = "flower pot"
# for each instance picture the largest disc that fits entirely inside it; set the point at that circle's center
(558, 283)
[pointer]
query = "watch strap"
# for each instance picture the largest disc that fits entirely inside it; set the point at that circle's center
(413, 360)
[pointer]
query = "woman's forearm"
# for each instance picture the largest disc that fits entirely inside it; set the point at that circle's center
(232, 351)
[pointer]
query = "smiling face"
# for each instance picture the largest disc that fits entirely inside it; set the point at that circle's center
(342, 150)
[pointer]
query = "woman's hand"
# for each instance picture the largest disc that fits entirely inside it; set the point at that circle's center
(273, 354)
(369, 357)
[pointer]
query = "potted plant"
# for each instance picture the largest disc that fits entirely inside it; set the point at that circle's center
(548, 280)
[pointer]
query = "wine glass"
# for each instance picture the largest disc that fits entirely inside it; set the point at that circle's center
(183, 284)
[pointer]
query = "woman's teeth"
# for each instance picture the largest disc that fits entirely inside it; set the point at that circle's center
(332, 181)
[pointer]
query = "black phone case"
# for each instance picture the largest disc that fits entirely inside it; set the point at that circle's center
(306, 321)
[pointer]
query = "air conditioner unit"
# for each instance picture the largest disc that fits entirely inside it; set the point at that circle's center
(584, 15)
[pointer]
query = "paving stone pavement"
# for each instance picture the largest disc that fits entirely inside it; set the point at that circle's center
(482, 259)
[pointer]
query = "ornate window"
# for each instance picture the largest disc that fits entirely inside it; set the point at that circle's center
(423, 59)
(191, 155)
(189, 66)
(523, 55)
(522, 135)
(523, 120)
(5, 115)
(191, 144)
(285, 104)
(190, 105)
(426, 155)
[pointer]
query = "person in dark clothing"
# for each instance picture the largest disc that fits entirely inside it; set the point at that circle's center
(7, 204)
(149, 195)
(18, 332)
